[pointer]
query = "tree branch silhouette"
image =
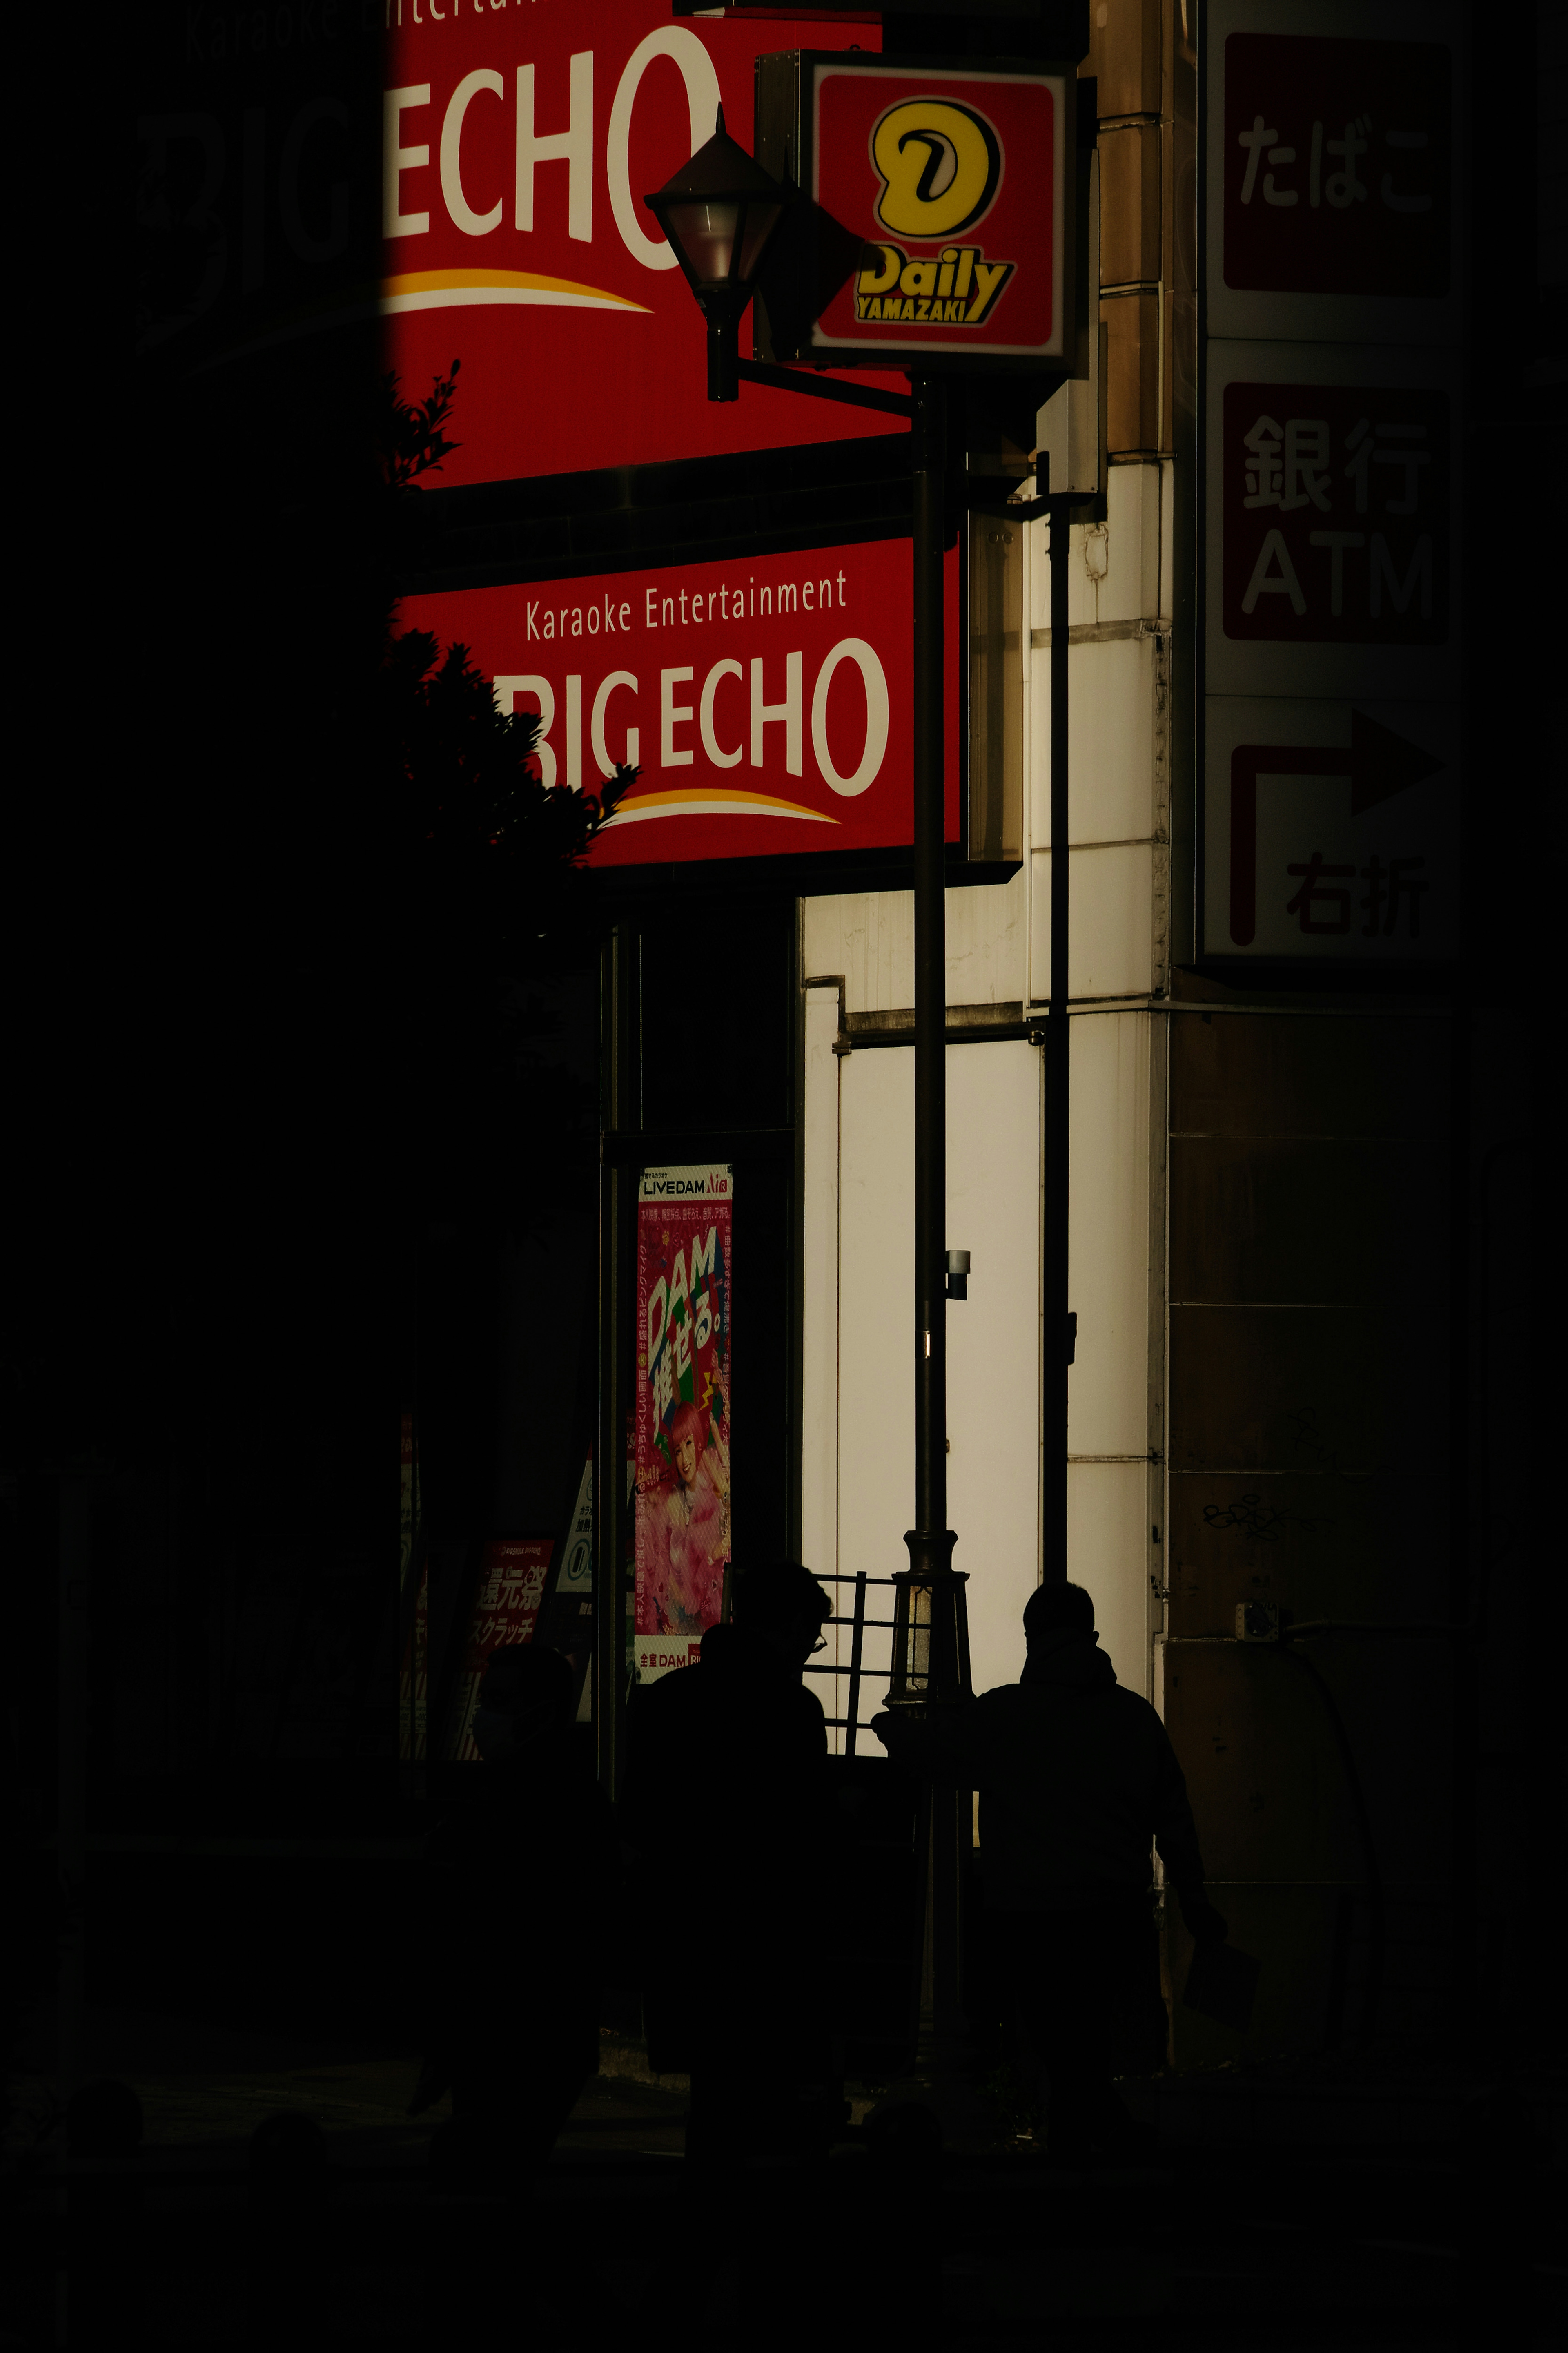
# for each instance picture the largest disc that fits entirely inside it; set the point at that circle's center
(474, 814)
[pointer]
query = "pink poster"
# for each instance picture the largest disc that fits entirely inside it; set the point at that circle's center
(684, 1269)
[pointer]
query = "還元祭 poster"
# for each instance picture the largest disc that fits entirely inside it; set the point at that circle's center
(685, 1267)
(513, 1575)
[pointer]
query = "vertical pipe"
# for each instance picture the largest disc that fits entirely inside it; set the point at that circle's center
(70, 1825)
(617, 1114)
(723, 356)
(857, 1642)
(1057, 1075)
(1469, 1349)
(930, 1541)
(929, 434)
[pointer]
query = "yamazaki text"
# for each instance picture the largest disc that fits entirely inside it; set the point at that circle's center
(766, 705)
(959, 286)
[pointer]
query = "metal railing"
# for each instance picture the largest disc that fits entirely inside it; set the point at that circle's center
(858, 1621)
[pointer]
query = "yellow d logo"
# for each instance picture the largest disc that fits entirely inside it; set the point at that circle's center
(940, 164)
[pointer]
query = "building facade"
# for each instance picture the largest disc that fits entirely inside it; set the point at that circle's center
(1263, 1405)
(1306, 1241)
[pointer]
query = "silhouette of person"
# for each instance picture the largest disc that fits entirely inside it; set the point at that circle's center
(726, 1807)
(1077, 1777)
(527, 1852)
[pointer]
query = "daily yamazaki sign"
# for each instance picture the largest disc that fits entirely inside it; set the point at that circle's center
(941, 201)
(765, 700)
(517, 143)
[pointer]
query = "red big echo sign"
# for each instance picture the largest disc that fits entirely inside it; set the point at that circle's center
(518, 146)
(767, 698)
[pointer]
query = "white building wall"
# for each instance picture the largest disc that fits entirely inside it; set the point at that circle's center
(868, 940)
(858, 1485)
(858, 1366)
(1109, 1440)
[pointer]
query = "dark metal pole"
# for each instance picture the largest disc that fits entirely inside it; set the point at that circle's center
(929, 1550)
(723, 350)
(857, 1648)
(619, 1111)
(71, 1854)
(1057, 1074)
(930, 1540)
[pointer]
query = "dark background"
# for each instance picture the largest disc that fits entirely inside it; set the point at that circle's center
(290, 1151)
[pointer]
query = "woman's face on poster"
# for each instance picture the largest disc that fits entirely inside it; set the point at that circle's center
(686, 1458)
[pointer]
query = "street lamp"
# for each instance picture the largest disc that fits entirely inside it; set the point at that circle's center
(718, 214)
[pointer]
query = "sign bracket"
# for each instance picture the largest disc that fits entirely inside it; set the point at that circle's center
(854, 395)
(979, 490)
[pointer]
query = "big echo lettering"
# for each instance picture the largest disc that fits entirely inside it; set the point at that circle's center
(764, 701)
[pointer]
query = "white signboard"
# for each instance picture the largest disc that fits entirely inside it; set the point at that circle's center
(1332, 506)
(1330, 491)
(1335, 135)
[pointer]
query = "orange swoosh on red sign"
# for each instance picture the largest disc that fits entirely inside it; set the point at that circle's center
(434, 290)
(696, 802)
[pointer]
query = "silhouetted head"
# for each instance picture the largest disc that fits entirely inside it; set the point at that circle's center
(1053, 1610)
(527, 1690)
(784, 1605)
(103, 2120)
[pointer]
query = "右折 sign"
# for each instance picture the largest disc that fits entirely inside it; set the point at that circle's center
(937, 221)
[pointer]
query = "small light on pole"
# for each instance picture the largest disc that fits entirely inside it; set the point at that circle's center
(931, 1632)
(718, 214)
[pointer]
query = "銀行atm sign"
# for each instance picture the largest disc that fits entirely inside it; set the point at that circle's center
(766, 700)
(940, 199)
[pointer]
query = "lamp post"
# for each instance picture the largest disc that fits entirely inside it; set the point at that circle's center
(718, 214)
(931, 1645)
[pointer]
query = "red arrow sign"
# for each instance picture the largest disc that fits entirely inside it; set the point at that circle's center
(1378, 763)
